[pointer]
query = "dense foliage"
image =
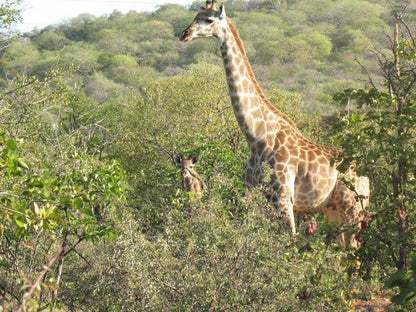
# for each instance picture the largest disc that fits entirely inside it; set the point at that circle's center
(92, 213)
(381, 135)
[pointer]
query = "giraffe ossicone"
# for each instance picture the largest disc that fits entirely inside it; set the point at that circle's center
(304, 177)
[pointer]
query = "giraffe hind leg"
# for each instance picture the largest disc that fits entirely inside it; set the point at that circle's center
(345, 209)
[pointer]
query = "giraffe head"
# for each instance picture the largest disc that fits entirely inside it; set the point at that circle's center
(186, 164)
(206, 24)
(191, 180)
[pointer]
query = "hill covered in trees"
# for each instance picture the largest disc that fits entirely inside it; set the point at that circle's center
(92, 212)
(306, 47)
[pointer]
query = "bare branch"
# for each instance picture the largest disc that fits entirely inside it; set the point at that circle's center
(40, 278)
(368, 74)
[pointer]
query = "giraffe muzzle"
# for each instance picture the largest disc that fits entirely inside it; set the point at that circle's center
(186, 35)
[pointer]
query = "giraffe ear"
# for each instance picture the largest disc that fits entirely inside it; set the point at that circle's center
(194, 159)
(177, 159)
(222, 11)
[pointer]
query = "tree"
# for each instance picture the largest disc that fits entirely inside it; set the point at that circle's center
(380, 136)
(175, 15)
(10, 13)
(51, 40)
(54, 192)
(20, 57)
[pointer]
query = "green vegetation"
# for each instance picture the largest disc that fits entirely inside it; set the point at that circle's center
(92, 214)
(381, 135)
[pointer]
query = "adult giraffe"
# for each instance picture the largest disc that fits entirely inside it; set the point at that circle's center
(304, 177)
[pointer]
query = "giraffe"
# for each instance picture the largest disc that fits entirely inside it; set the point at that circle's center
(304, 176)
(191, 180)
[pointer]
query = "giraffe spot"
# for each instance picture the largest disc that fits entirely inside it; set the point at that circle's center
(322, 160)
(245, 85)
(311, 155)
(304, 188)
(283, 154)
(260, 146)
(260, 128)
(290, 141)
(280, 138)
(293, 160)
(301, 171)
(302, 154)
(271, 142)
(279, 167)
(302, 198)
(302, 143)
(242, 69)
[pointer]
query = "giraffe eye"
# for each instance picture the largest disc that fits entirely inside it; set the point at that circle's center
(209, 20)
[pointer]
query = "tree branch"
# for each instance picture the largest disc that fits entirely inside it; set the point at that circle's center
(40, 278)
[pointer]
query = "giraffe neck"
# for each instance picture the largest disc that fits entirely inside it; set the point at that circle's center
(255, 114)
(192, 182)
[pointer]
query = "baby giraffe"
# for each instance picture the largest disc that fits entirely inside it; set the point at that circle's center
(191, 180)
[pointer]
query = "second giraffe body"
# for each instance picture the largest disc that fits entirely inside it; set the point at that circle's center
(303, 176)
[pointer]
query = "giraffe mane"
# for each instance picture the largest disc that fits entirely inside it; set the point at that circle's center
(240, 45)
(334, 151)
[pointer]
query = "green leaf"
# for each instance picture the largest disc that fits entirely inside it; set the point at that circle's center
(4, 264)
(355, 118)
(20, 223)
(66, 200)
(11, 144)
(22, 163)
(78, 203)
(36, 182)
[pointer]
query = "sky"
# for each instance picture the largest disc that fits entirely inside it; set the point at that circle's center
(41, 13)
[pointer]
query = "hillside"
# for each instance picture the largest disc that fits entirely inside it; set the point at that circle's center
(314, 48)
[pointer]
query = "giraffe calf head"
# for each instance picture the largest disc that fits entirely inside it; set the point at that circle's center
(191, 180)
(186, 164)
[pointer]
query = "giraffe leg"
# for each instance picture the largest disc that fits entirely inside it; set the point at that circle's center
(281, 197)
(345, 209)
(253, 172)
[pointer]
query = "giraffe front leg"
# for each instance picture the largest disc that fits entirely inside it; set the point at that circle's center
(253, 172)
(281, 197)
